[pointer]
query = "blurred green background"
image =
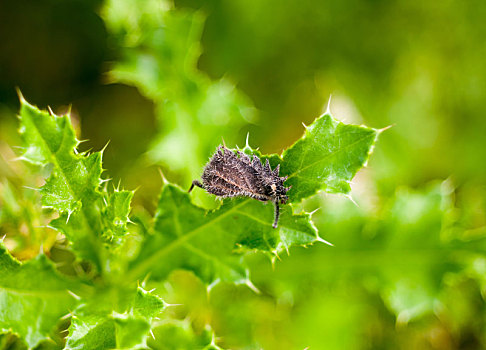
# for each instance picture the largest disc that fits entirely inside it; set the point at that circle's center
(164, 82)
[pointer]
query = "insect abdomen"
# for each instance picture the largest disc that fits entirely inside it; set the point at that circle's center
(231, 175)
(226, 186)
(227, 175)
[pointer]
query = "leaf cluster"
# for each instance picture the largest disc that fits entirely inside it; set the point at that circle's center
(105, 308)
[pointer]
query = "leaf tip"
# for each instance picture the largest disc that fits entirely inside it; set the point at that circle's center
(102, 181)
(328, 108)
(31, 188)
(169, 305)
(273, 260)
(69, 109)
(349, 197)
(212, 285)
(21, 97)
(104, 147)
(65, 317)
(81, 141)
(117, 188)
(69, 215)
(321, 240)
(145, 280)
(379, 131)
(51, 112)
(250, 285)
(75, 296)
(131, 222)
(162, 177)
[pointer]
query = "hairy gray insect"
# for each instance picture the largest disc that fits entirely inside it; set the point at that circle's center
(230, 175)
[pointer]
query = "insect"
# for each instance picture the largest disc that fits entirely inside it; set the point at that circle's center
(228, 174)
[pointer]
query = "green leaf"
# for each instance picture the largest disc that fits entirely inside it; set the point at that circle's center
(97, 327)
(179, 335)
(33, 296)
(210, 243)
(146, 304)
(131, 332)
(48, 138)
(91, 332)
(116, 214)
(115, 331)
(73, 184)
(90, 217)
(327, 157)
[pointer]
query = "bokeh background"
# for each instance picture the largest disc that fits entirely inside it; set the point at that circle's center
(163, 82)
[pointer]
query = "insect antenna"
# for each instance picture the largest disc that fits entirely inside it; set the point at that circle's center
(195, 183)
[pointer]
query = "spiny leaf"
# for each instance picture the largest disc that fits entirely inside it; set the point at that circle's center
(48, 138)
(327, 157)
(88, 217)
(179, 335)
(94, 327)
(146, 304)
(51, 139)
(210, 243)
(74, 180)
(90, 332)
(33, 296)
(116, 214)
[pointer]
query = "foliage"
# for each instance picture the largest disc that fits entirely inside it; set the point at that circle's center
(395, 269)
(86, 264)
(184, 236)
(107, 329)
(32, 297)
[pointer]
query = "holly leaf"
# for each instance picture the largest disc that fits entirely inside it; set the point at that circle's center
(327, 157)
(116, 213)
(210, 243)
(33, 296)
(90, 216)
(96, 327)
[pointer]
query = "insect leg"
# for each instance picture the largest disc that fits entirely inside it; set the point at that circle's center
(277, 214)
(195, 183)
